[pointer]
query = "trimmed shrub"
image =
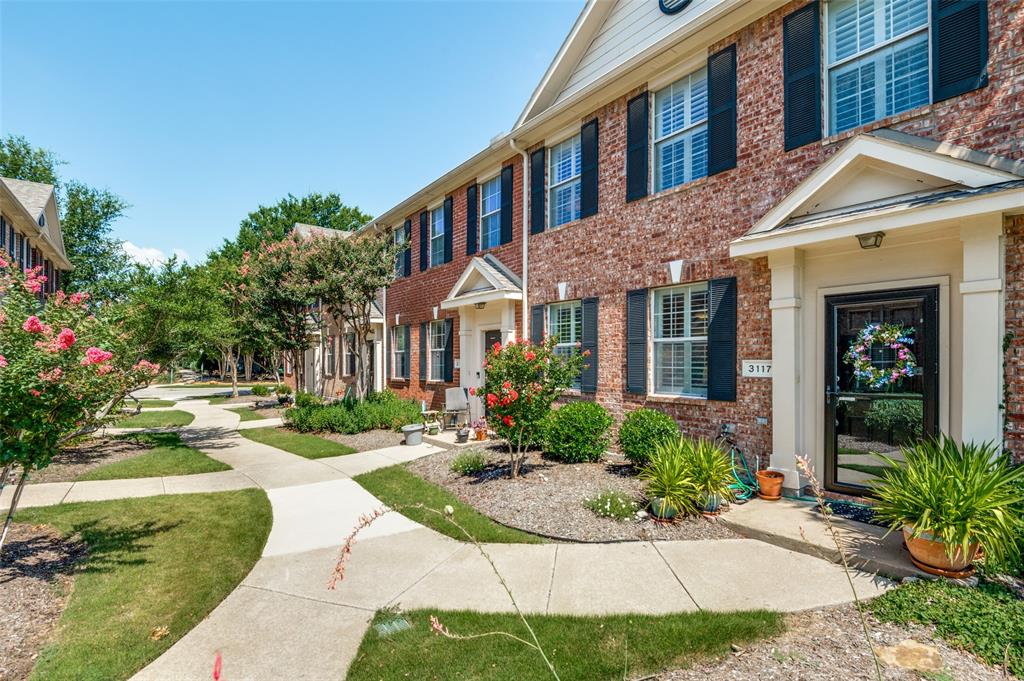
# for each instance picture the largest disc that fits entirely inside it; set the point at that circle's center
(307, 400)
(283, 389)
(468, 463)
(614, 504)
(642, 431)
(350, 417)
(578, 432)
(260, 390)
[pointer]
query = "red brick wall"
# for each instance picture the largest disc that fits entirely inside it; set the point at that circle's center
(627, 246)
(1014, 357)
(414, 297)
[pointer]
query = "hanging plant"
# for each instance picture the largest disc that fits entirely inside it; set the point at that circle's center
(893, 336)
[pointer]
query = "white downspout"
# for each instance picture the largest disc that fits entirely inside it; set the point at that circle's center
(526, 230)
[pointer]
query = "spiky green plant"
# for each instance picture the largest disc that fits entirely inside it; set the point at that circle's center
(668, 477)
(709, 467)
(957, 494)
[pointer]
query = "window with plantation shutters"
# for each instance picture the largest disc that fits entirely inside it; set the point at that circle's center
(801, 48)
(400, 351)
(681, 131)
(490, 213)
(679, 317)
(566, 164)
(565, 323)
(437, 340)
(437, 230)
(878, 59)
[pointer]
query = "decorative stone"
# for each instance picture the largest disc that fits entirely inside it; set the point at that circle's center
(910, 654)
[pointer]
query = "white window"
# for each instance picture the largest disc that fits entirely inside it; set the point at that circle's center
(437, 343)
(681, 340)
(564, 182)
(350, 354)
(399, 236)
(400, 360)
(490, 213)
(681, 131)
(565, 322)
(437, 228)
(330, 355)
(878, 59)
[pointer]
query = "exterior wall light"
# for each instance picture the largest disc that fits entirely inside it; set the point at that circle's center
(479, 306)
(872, 240)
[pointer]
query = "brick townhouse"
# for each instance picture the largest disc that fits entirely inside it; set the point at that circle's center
(720, 199)
(30, 232)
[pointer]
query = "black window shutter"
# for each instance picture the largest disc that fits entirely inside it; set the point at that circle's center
(449, 352)
(801, 75)
(722, 110)
(636, 341)
(448, 229)
(423, 351)
(722, 341)
(959, 47)
(588, 169)
(537, 324)
(407, 255)
(424, 241)
(472, 226)
(537, 207)
(637, 158)
(588, 378)
(506, 204)
(408, 353)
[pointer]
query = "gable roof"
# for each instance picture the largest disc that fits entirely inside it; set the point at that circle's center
(32, 196)
(35, 200)
(484, 279)
(881, 174)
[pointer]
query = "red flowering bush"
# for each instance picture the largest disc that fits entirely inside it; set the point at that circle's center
(523, 380)
(62, 369)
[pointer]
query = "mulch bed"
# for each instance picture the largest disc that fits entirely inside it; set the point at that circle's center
(548, 498)
(92, 453)
(267, 410)
(35, 584)
(828, 644)
(364, 442)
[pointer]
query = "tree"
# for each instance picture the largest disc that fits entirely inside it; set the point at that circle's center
(62, 371)
(523, 381)
(100, 263)
(267, 224)
(281, 288)
(352, 273)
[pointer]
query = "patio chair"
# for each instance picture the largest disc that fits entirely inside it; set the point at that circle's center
(456, 402)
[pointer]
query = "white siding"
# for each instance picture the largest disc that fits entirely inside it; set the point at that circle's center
(631, 27)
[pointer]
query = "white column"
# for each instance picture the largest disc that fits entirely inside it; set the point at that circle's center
(508, 321)
(787, 404)
(982, 296)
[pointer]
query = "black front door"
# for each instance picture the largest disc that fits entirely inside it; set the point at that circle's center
(881, 380)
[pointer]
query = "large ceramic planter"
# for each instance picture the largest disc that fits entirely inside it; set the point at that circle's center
(711, 504)
(929, 554)
(661, 510)
(769, 485)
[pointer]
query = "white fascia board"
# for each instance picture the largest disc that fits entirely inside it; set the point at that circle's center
(488, 296)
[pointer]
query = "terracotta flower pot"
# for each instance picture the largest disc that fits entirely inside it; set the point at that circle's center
(481, 434)
(929, 554)
(769, 485)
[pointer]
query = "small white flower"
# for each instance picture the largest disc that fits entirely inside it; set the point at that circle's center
(448, 510)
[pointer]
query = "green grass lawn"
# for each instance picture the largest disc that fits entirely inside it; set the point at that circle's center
(398, 488)
(580, 648)
(987, 621)
(249, 414)
(156, 419)
(169, 456)
(309, 446)
(150, 403)
(157, 562)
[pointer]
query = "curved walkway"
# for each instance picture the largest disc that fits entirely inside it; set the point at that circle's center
(282, 621)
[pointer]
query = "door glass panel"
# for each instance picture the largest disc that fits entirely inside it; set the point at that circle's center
(880, 393)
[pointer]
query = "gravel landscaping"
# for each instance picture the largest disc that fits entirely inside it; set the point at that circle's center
(35, 582)
(73, 462)
(364, 442)
(822, 645)
(548, 499)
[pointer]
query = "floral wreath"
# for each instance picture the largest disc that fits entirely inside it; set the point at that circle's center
(894, 336)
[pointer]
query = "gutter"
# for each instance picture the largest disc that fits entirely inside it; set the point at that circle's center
(526, 230)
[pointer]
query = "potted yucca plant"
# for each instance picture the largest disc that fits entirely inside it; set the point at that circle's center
(951, 501)
(671, 490)
(711, 470)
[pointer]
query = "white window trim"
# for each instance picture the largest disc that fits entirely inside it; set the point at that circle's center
(576, 304)
(653, 343)
(330, 356)
(430, 235)
(397, 331)
(652, 114)
(431, 364)
(826, 90)
(481, 215)
(400, 258)
(578, 177)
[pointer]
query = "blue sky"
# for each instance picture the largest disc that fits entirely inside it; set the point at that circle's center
(198, 112)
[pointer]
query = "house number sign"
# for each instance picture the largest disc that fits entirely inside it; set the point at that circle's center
(757, 368)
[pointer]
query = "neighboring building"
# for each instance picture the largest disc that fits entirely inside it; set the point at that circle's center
(720, 196)
(30, 229)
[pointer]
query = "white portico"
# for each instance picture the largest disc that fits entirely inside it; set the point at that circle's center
(892, 227)
(486, 297)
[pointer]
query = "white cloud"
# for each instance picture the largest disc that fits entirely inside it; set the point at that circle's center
(151, 256)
